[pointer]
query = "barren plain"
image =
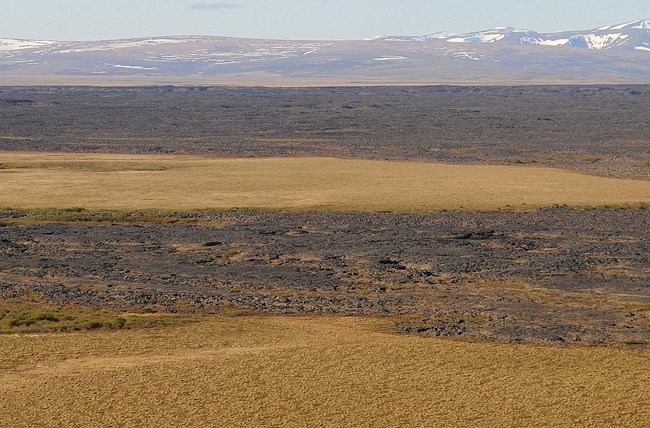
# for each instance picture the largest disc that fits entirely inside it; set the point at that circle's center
(434, 256)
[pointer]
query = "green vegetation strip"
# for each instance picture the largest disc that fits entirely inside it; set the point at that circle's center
(29, 318)
(81, 215)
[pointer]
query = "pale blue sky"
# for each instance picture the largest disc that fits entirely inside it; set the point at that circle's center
(301, 19)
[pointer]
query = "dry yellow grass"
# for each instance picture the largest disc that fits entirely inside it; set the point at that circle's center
(280, 371)
(107, 181)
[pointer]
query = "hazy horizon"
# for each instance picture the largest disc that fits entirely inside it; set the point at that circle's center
(299, 20)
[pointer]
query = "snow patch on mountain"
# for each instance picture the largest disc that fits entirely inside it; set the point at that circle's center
(625, 36)
(390, 58)
(16, 44)
(478, 38)
(634, 25)
(441, 35)
(467, 55)
(596, 41)
(120, 44)
(511, 30)
(642, 25)
(543, 42)
(621, 26)
(132, 67)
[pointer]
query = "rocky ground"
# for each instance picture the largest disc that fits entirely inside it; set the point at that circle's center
(552, 275)
(599, 129)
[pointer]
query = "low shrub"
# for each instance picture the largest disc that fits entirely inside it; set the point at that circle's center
(33, 320)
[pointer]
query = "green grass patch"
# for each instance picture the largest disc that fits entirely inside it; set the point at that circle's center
(32, 318)
(635, 342)
(236, 311)
(79, 215)
(591, 159)
(517, 161)
(82, 215)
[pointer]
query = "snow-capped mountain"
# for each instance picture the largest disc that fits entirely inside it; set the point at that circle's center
(610, 54)
(627, 36)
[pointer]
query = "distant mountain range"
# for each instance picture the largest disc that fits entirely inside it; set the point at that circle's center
(631, 36)
(611, 54)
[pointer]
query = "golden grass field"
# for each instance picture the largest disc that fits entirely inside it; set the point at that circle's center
(259, 371)
(303, 371)
(109, 181)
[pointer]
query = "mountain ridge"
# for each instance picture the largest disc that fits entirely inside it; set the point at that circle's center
(610, 54)
(630, 35)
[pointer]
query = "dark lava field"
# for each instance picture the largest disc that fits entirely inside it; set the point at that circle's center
(600, 129)
(554, 275)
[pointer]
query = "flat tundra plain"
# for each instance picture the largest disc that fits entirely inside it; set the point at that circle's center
(434, 256)
(175, 182)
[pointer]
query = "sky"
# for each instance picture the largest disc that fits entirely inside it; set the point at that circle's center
(301, 19)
